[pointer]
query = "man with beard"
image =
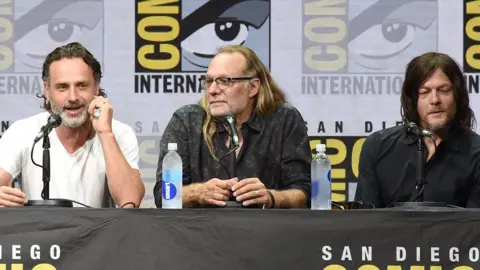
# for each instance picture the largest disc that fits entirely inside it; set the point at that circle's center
(435, 98)
(93, 158)
(268, 166)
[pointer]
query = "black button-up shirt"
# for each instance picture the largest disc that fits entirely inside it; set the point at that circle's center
(388, 169)
(275, 149)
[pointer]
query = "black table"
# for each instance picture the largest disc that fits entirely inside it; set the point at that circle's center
(146, 239)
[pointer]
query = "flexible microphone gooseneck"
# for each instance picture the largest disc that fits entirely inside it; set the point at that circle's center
(53, 121)
(231, 122)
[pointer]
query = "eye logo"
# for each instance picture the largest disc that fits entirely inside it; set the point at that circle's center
(32, 29)
(364, 46)
(387, 35)
(216, 24)
(187, 37)
(53, 23)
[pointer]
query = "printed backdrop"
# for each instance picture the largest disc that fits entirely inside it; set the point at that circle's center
(340, 62)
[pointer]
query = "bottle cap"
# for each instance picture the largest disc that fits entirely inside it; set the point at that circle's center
(321, 148)
(172, 147)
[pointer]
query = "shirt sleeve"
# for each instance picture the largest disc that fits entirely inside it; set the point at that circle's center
(175, 132)
(368, 189)
(11, 149)
(296, 154)
(128, 144)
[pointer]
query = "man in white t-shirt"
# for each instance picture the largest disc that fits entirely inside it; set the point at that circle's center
(92, 159)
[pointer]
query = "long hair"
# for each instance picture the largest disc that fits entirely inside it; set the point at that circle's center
(71, 50)
(269, 96)
(418, 71)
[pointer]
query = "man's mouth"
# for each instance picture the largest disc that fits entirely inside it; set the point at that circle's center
(74, 110)
(436, 114)
(213, 102)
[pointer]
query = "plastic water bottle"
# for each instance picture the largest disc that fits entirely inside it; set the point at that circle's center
(172, 179)
(321, 180)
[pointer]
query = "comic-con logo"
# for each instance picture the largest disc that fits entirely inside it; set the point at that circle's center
(362, 47)
(32, 29)
(175, 41)
(471, 44)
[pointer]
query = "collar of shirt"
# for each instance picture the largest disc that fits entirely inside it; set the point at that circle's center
(453, 139)
(255, 123)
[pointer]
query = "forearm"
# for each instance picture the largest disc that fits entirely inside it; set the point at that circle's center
(291, 198)
(189, 195)
(5, 178)
(124, 182)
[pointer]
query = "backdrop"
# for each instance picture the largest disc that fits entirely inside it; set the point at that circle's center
(340, 62)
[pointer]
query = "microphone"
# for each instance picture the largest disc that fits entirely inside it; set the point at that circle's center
(53, 121)
(413, 129)
(232, 124)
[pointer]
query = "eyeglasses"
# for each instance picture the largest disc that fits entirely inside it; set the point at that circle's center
(352, 205)
(222, 82)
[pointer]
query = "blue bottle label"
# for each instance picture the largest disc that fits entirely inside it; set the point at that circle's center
(172, 178)
(169, 191)
(315, 188)
(329, 177)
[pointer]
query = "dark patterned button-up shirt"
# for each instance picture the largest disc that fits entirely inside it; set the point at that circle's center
(275, 149)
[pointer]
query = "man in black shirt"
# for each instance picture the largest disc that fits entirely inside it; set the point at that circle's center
(435, 97)
(271, 166)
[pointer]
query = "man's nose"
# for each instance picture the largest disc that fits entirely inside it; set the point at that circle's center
(72, 94)
(214, 89)
(434, 98)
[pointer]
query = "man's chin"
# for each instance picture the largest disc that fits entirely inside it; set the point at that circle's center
(73, 122)
(217, 112)
(437, 127)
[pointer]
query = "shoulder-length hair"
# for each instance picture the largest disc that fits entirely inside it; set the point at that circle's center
(418, 71)
(269, 96)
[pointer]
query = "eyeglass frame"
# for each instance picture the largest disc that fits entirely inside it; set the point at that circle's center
(231, 81)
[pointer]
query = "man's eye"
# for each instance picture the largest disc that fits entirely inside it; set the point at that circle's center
(222, 80)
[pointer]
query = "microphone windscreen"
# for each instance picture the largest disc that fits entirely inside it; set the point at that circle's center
(407, 126)
(230, 118)
(55, 120)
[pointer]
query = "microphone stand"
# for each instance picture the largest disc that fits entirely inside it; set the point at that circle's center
(46, 166)
(420, 181)
(47, 202)
(420, 174)
(232, 202)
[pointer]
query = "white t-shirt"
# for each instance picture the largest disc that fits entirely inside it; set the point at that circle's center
(80, 176)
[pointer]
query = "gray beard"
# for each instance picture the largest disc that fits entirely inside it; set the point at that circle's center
(72, 122)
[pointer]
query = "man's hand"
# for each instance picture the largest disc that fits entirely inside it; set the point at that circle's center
(215, 191)
(103, 123)
(12, 197)
(251, 191)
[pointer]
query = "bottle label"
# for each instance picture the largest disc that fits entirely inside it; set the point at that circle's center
(172, 178)
(315, 188)
(169, 191)
(329, 176)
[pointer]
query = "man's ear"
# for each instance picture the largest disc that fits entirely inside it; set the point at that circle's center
(97, 93)
(254, 87)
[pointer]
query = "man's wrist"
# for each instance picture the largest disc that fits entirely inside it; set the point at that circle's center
(105, 135)
(271, 199)
(195, 193)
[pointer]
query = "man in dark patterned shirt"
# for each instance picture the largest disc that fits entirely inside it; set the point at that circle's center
(271, 166)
